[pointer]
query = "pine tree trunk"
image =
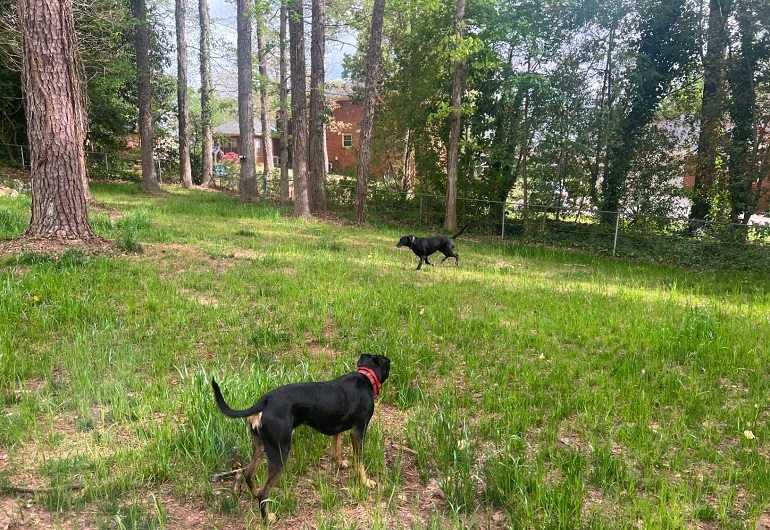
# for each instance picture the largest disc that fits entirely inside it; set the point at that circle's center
(146, 134)
(54, 95)
(183, 111)
(264, 99)
(246, 103)
(453, 156)
(207, 164)
(298, 108)
(284, 108)
(367, 120)
(712, 108)
(317, 52)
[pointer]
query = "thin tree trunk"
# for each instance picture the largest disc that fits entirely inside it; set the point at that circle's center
(146, 133)
(264, 100)
(207, 164)
(604, 103)
(284, 109)
(453, 156)
(712, 108)
(316, 146)
(54, 103)
(298, 108)
(185, 172)
(367, 120)
(246, 103)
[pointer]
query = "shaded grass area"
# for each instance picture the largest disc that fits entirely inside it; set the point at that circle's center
(532, 388)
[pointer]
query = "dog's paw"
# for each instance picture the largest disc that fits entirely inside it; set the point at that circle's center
(271, 518)
(344, 464)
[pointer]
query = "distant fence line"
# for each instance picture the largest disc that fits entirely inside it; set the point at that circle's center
(655, 238)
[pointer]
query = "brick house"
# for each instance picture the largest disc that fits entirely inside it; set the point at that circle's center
(228, 138)
(342, 133)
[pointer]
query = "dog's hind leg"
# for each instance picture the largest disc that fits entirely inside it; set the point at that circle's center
(275, 456)
(257, 455)
(451, 255)
(357, 437)
(274, 470)
(337, 451)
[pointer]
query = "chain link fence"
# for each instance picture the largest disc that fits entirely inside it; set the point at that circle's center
(674, 240)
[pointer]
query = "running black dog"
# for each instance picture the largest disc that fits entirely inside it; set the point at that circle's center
(425, 246)
(330, 407)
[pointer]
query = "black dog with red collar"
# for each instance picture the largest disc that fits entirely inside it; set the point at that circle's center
(330, 407)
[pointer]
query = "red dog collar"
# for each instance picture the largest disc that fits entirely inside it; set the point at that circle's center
(373, 379)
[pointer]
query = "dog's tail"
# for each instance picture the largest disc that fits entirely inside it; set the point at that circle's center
(461, 231)
(225, 408)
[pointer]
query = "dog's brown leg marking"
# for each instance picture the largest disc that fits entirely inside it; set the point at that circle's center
(357, 438)
(274, 471)
(256, 456)
(337, 451)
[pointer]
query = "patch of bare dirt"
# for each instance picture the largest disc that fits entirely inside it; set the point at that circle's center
(7, 172)
(763, 523)
(57, 247)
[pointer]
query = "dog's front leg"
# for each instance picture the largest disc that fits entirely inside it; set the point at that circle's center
(357, 438)
(337, 451)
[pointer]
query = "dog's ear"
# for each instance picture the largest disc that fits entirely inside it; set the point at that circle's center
(384, 364)
(363, 360)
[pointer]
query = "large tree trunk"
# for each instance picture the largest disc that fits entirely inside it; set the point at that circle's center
(207, 164)
(284, 109)
(712, 108)
(453, 156)
(54, 94)
(246, 103)
(146, 133)
(183, 111)
(317, 51)
(298, 108)
(367, 120)
(264, 100)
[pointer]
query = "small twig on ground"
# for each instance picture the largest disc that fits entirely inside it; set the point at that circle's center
(220, 476)
(405, 449)
(40, 491)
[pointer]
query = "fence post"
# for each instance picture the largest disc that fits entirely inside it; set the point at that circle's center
(107, 163)
(502, 233)
(160, 177)
(421, 209)
(21, 148)
(615, 244)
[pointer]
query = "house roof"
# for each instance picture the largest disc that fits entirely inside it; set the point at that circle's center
(232, 128)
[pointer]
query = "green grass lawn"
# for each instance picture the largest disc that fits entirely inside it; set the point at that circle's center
(530, 388)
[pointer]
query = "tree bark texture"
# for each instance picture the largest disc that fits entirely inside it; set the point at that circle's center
(54, 103)
(367, 120)
(712, 107)
(146, 134)
(246, 103)
(455, 127)
(298, 108)
(207, 164)
(183, 111)
(284, 108)
(264, 100)
(317, 165)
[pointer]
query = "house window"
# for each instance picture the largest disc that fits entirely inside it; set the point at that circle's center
(347, 140)
(258, 147)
